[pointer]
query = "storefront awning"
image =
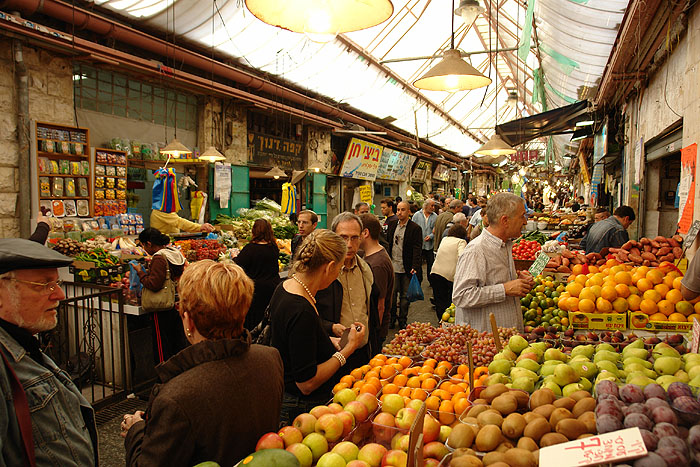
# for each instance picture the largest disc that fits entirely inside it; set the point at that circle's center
(552, 122)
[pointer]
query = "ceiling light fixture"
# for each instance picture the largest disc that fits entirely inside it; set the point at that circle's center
(316, 167)
(321, 20)
(175, 149)
(512, 101)
(275, 173)
(212, 155)
(468, 10)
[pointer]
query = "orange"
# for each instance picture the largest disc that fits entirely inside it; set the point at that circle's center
(425, 376)
(697, 307)
(648, 306)
(622, 290)
(400, 380)
(431, 362)
(593, 269)
(562, 302)
(375, 362)
(644, 284)
(608, 293)
(373, 373)
(677, 318)
(462, 369)
(674, 296)
(658, 317)
(369, 388)
(596, 279)
(603, 306)
(662, 289)
(390, 388)
(677, 283)
(480, 371)
(413, 382)
(611, 262)
(397, 367)
(420, 394)
(459, 395)
(653, 295)
(572, 304)
(445, 363)
(620, 305)
(586, 294)
(457, 388)
(581, 280)
(615, 269)
(442, 394)
(391, 360)
(666, 307)
(655, 276)
(693, 316)
(586, 305)
(347, 379)
(597, 290)
(374, 380)
(339, 387)
(357, 373)
(577, 269)
(429, 384)
(445, 385)
(358, 384)
(461, 405)
(426, 369)
(405, 392)
(441, 370)
(634, 302)
(387, 371)
(381, 357)
(432, 403)
(623, 277)
(685, 308)
(365, 368)
(405, 362)
(447, 406)
(636, 277)
(669, 278)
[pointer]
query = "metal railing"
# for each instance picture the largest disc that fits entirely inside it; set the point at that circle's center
(90, 341)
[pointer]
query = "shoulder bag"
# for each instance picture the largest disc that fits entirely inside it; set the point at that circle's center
(261, 333)
(160, 300)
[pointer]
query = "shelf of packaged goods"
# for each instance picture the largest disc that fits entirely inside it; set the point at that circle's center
(61, 155)
(64, 175)
(60, 198)
(61, 141)
(111, 164)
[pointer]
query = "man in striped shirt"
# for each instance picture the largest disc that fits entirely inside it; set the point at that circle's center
(486, 280)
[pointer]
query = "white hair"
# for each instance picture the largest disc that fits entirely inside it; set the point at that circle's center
(12, 311)
(459, 217)
(502, 204)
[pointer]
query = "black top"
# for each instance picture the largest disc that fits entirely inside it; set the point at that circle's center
(25, 339)
(412, 244)
(260, 262)
(298, 335)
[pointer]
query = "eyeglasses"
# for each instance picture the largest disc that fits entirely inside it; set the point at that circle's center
(397, 239)
(354, 238)
(45, 287)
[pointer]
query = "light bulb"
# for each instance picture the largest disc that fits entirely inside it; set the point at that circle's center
(317, 170)
(452, 83)
(409, 192)
(469, 14)
(319, 26)
(276, 177)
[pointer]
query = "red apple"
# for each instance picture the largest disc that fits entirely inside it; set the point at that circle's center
(335, 407)
(305, 422)
(392, 403)
(370, 402)
(270, 441)
(302, 453)
(436, 450)
(320, 410)
(372, 453)
(383, 427)
(395, 458)
(405, 418)
(348, 450)
(330, 426)
(357, 464)
(400, 442)
(431, 429)
(429, 462)
(358, 410)
(348, 420)
(290, 435)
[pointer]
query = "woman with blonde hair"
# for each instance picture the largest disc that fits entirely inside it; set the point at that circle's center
(213, 401)
(311, 360)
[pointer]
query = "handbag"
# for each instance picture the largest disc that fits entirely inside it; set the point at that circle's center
(160, 300)
(261, 333)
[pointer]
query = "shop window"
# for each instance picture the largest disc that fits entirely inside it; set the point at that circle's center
(116, 94)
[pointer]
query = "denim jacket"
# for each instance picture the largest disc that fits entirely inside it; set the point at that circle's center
(63, 422)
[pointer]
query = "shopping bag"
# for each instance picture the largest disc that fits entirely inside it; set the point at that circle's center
(415, 292)
(134, 280)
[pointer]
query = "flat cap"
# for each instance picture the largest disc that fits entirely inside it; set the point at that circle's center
(18, 253)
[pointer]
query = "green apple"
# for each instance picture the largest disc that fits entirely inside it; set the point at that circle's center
(331, 459)
(347, 450)
(317, 443)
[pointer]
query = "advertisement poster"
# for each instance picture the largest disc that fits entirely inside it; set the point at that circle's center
(395, 165)
(596, 179)
(686, 191)
(366, 194)
(442, 173)
(600, 144)
(584, 169)
(361, 160)
(422, 169)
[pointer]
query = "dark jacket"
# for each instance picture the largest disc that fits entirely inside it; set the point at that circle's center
(297, 240)
(412, 244)
(214, 401)
(154, 278)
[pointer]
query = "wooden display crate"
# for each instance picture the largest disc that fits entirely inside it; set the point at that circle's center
(639, 320)
(598, 321)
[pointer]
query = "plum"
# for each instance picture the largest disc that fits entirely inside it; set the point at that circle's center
(607, 423)
(662, 430)
(638, 420)
(654, 391)
(694, 437)
(664, 414)
(650, 439)
(651, 460)
(682, 432)
(673, 442)
(631, 393)
(651, 404)
(686, 404)
(678, 389)
(673, 456)
(607, 387)
(636, 408)
(609, 407)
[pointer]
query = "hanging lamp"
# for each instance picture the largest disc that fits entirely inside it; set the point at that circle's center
(468, 10)
(275, 173)
(212, 155)
(175, 149)
(316, 167)
(321, 17)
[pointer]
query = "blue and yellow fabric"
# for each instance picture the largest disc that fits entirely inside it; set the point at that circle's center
(165, 198)
(289, 199)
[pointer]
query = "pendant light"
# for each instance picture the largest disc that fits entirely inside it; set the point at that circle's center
(468, 10)
(275, 173)
(452, 73)
(212, 154)
(316, 167)
(319, 18)
(175, 148)
(495, 146)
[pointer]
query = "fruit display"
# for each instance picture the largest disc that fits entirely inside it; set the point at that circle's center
(195, 250)
(526, 249)
(648, 252)
(412, 340)
(540, 308)
(449, 315)
(68, 246)
(567, 260)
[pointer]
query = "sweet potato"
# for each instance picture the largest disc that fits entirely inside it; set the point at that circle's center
(613, 250)
(600, 262)
(635, 251)
(628, 246)
(623, 254)
(646, 262)
(647, 248)
(655, 264)
(660, 238)
(649, 256)
(567, 254)
(678, 238)
(635, 258)
(669, 257)
(654, 251)
(565, 262)
(677, 252)
(644, 241)
(563, 269)
(664, 251)
(655, 244)
(673, 243)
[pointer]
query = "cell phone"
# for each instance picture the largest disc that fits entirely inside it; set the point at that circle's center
(344, 337)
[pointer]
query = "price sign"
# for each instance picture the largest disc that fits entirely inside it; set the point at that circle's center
(361, 160)
(696, 336)
(602, 449)
(539, 264)
(692, 234)
(366, 194)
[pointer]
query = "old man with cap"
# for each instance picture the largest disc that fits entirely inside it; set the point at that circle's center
(44, 419)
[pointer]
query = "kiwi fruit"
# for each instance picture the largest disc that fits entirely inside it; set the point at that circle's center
(513, 425)
(588, 419)
(505, 403)
(527, 443)
(490, 417)
(571, 428)
(491, 392)
(520, 458)
(461, 436)
(585, 435)
(530, 416)
(545, 410)
(463, 452)
(541, 397)
(489, 438)
(550, 439)
(565, 402)
(466, 461)
(587, 404)
(480, 402)
(492, 457)
(522, 397)
(477, 409)
(557, 415)
(578, 395)
(498, 464)
(537, 428)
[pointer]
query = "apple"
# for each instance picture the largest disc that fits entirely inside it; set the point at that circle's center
(357, 464)
(400, 442)
(346, 449)
(270, 441)
(320, 410)
(305, 422)
(445, 431)
(290, 435)
(405, 418)
(358, 410)
(344, 396)
(430, 462)
(370, 402)
(431, 429)
(392, 403)
(361, 433)
(317, 443)
(395, 458)
(436, 450)
(372, 453)
(330, 426)
(415, 404)
(302, 453)
(335, 407)
(331, 459)
(348, 420)
(383, 427)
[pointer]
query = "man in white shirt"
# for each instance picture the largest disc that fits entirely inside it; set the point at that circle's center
(425, 218)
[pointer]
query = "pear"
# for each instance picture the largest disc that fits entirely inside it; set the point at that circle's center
(548, 370)
(571, 388)
(693, 372)
(532, 350)
(667, 365)
(644, 363)
(525, 384)
(553, 386)
(587, 385)
(539, 346)
(517, 344)
(585, 350)
(666, 380)
(580, 358)
(691, 357)
(604, 346)
(606, 376)
(555, 354)
(640, 380)
(607, 365)
(637, 344)
(650, 374)
(695, 382)
(690, 364)
(528, 364)
(564, 374)
(496, 379)
(635, 367)
(682, 376)
(662, 349)
(585, 369)
(500, 366)
(636, 353)
(517, 373)
(606, 355)
(505, 354)
(509, 385)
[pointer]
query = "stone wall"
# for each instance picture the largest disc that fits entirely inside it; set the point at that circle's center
(50, 100)
(230, 132)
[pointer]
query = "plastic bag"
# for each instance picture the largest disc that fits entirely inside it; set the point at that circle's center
(415, 292)
(134, 280)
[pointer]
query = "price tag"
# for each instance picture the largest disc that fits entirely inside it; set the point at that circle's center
(602, 449)
(539, 264)
(692, 234)
(696, 336)
(366, 194)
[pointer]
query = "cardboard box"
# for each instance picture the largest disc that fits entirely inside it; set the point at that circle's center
(599, 321)
(639, 320)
